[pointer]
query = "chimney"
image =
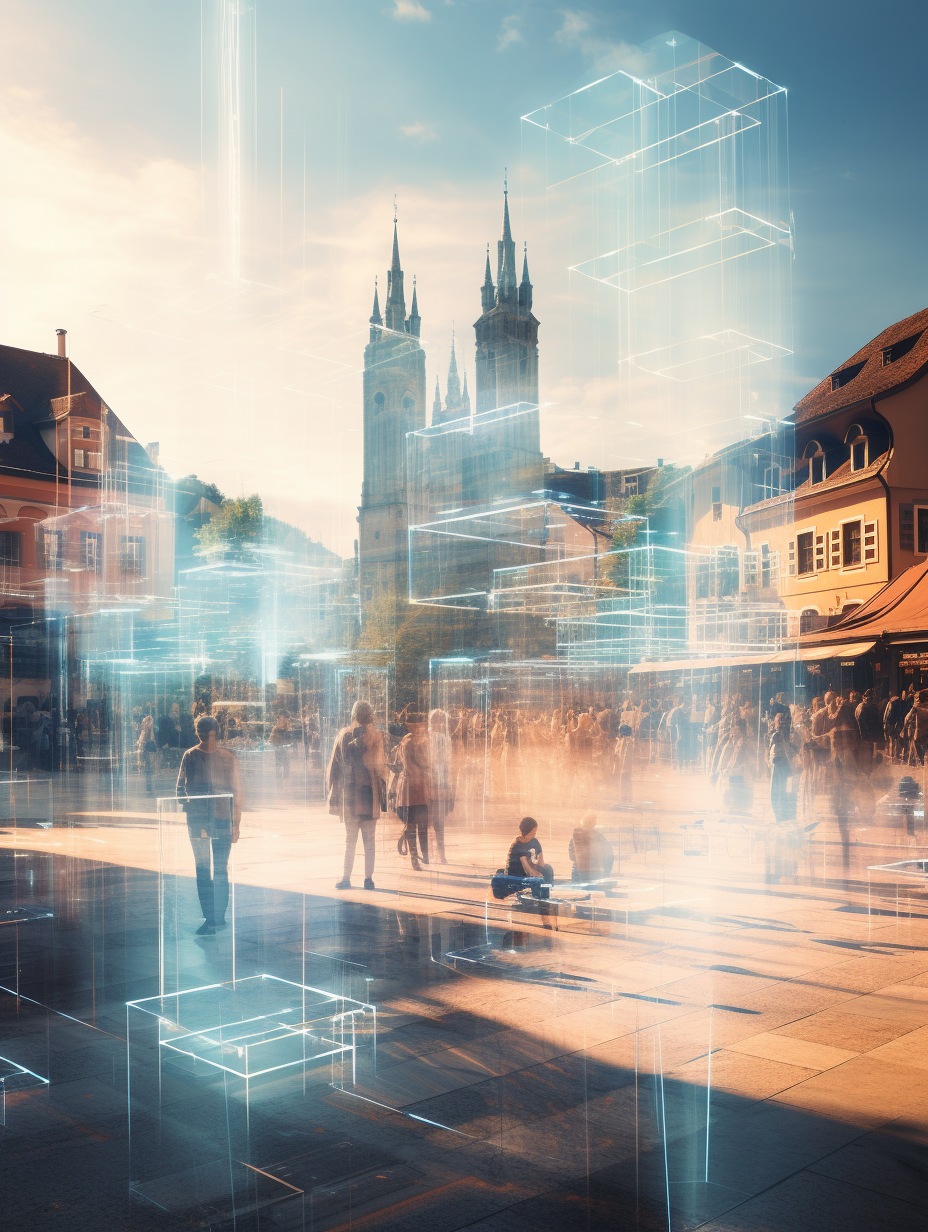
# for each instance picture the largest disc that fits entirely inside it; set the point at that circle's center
(62, 343)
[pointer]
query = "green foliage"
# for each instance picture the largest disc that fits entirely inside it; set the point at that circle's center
(657, 504)
(238, 524)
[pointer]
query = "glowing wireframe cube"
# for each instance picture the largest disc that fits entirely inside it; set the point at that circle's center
(252, 1046)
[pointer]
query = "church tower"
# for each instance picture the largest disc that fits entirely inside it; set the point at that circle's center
(394, 404)
(507, 332)
(509, 463)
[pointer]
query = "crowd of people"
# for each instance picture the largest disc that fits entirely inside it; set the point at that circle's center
(831, 756)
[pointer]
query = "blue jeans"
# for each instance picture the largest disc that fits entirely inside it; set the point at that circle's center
(212, 882)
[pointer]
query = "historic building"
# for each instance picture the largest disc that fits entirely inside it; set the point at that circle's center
(394, 404)
(82, 503)
(812, 524)
(502, 459)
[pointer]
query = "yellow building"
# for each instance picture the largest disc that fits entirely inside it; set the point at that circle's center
(813, 535)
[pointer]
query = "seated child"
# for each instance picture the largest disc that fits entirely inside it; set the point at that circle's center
(525, 857)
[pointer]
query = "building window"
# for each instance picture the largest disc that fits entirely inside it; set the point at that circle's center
(91, 550)
(78, 457)
(771, 482)
(850, 544)
(913, 528)
(11, 548)
(857, 442)
(51, 551)
(95, 461)
(132, 555)
(85, 433)
(845, 376)
(898, 349)
(716, 504)
(821, 561)
(808, 620)
(408, 403)
(376, 534)
(815, 456)
(378, 403)
(805, 546)
(631, 486)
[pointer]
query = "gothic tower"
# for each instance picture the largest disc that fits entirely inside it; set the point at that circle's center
(507, 332)
(509, 463)
(394, 404)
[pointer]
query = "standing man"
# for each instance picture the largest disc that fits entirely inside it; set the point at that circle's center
(209, 775)
(356, 788)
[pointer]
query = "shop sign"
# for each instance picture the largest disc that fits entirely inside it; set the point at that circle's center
(915, 660)
(847, 662)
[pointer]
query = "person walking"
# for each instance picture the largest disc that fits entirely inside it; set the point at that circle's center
(780, 758)
(441, 778)
(147, 750)
(412, 791)
(209, 778)
(356, 788)
(915, 729)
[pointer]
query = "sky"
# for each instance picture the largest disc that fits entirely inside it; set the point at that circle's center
(113, 167)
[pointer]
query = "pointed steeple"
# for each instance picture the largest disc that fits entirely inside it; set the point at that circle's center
(376, 318)
(465, 396)
(395, 310)
(525, 286)
(414, 324)
(487, 291)
(436, 405)
(506, 255)
(453, 399)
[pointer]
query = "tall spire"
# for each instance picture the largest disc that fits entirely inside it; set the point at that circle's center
(506, 254)
(436, 405)
(395, 310)
(413, 325)
(465, 396)
(487, 291)
(525, 287)
(376, 318)
(453, 399)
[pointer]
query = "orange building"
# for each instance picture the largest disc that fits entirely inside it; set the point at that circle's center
(82, 508)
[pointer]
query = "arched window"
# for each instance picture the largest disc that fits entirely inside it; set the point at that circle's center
(378, 403)
(808, 620)
(815, 456)
(408, 403)
(859, 447)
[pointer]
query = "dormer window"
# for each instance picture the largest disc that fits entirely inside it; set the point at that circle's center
(898, 349)
(859, 447)
(815, 456)
(842, 378)
(378, 403)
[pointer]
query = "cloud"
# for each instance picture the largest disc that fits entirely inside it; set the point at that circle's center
(509, 33)
(578, 30)
(418, 131)
(410, 10)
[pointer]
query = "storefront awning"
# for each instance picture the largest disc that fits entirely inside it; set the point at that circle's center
(805, 654)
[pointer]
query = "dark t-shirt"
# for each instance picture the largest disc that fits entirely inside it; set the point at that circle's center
(531, 849)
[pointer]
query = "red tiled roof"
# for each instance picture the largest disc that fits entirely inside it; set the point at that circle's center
(900, 607)
(873, 381)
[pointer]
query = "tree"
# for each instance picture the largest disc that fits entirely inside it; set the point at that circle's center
(238, 525)
(661, 507)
